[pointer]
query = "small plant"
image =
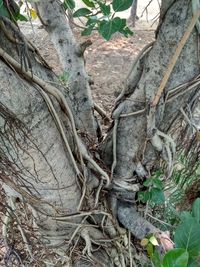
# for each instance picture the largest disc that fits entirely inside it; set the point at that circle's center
(154, 194)
(187, 242)
(63, 78)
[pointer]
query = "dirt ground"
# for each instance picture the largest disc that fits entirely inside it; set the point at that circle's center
(107, 62)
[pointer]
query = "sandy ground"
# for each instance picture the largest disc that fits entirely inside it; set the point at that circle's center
(108, 63)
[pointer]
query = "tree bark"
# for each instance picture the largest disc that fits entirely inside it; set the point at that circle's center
(133, 15)
(44, 160)
(129, 148)
(71, 55)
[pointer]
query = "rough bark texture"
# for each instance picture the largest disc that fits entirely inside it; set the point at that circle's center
(34, 150)
(136, 153)
(35, 158)
(131, 133)
(133, 15)
(71, 55)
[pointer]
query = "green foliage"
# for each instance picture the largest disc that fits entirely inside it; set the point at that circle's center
(196, 210)
(187, 242)
(177, 257)
(82, 12)
(100, 17)
(69, 4)
(11, 12)
(89, 3)
(105, 9)
(149, 243)
(183, 179)
(187, 236)
(3, 10)
(108, 28)
(121, 5)
(154, 192)
(63, 78)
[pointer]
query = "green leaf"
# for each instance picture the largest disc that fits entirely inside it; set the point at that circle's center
(119, 24)
(88, 3)
(185, 215)
(150, 250)
(148, 182)
(121, 5)
(88, 30)
(69, 4)
(144, 196)
(193, 263)
(187, 236)
(105, 9)
(157, 183)
(92, 20)
(21, 17)
(176, 258)
(196, 210)
(157, 196)
(106, 29)
(82, 12)
(156, 259)
(126, 32)
(3, 10)
(153, 241)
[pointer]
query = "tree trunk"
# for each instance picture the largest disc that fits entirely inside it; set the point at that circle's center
(139, 139)
(133, 15)
(71, 55)
(33, 148)
(45, 162)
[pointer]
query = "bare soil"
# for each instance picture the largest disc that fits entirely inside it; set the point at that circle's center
(107, 62)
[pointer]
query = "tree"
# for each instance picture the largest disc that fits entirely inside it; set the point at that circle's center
(51, 161)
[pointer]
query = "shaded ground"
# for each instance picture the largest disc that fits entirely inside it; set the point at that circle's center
(108, 63)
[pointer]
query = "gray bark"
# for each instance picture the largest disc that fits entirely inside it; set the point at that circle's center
(40, 163)
(71, 55)
(131, 133)
(133, 15)
(35, 160)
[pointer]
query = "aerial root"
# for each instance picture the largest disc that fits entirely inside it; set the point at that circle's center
(85, 234)
(24, 238)
(163, 142)
(6, 222)
(123, 185)
(102, 113)
(10, 213)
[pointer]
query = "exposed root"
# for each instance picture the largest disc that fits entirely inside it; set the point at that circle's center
(97, 194)
(23, 235)
(114, 146)
(8, 219)
(103, 174)
(163, 142)
(142, 53)
(60, 129)
(123, 185)
(102, 113)
(48, 89)
(6, 222)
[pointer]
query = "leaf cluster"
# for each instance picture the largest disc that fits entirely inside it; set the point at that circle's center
(100, 16)
(187, 242)
(11, 10)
